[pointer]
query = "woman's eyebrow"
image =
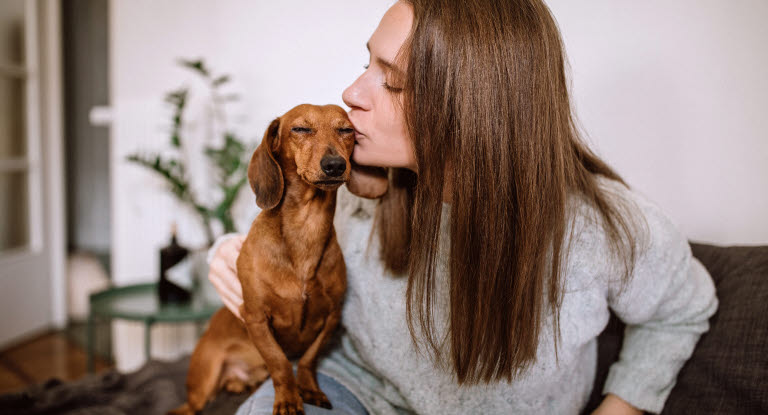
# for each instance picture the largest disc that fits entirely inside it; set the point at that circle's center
(384, 63)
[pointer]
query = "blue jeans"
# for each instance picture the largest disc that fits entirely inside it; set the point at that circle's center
(343, 401)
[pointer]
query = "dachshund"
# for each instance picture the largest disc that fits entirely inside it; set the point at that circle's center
(290, 266)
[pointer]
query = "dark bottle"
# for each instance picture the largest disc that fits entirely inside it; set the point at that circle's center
(168, 292)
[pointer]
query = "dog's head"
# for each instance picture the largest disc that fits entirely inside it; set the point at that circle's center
(318, 142)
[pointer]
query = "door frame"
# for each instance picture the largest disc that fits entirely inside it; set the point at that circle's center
(44, 164)
(52, 138)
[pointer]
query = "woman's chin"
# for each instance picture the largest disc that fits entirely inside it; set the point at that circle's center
(360, 157)
(363, 157)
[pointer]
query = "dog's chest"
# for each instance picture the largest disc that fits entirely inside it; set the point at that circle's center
(300, 317)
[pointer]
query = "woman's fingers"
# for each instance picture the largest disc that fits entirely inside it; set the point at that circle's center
(219, 281)
(230, 299)
(223, 274)
(231, 250)
(224, 266)
(235, 309)
(229, 253)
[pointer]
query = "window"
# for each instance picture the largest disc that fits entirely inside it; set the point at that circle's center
(20, 220)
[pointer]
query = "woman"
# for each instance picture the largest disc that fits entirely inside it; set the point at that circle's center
(489, 299)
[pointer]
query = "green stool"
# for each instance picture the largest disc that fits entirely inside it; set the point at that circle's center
(141, 303)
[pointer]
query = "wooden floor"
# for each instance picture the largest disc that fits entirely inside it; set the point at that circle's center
(53, 354)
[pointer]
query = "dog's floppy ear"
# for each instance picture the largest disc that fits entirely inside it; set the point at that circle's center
(370, 182)
(264, 172)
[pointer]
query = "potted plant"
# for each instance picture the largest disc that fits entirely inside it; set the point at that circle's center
(229, 161)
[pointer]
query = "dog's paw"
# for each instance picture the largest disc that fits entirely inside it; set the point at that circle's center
(235, 386)
(288, 404)
(182, 410)
(287, 408)
(315, 397)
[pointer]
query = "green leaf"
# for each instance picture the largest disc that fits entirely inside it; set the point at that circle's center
(177, 97)
(196, 65)
(220, 80)
(171, 170)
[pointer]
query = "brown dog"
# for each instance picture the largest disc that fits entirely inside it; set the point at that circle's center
(290, 267)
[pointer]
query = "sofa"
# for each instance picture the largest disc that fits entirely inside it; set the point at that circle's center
(727, 373)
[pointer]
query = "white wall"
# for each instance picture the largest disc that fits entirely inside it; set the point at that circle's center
(672, 94)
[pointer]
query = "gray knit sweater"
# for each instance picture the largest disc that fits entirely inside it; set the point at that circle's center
(666, 307)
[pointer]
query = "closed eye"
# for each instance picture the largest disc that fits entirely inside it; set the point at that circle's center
(302, 130)
(346, 130)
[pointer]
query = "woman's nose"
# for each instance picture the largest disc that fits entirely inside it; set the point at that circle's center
(354, 96)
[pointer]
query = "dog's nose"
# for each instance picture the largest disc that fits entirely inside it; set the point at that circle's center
(333, 166)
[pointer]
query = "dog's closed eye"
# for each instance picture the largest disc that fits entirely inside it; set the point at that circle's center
(302, 130)
(346, 130)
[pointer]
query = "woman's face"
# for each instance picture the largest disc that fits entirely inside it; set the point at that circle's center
(381, 138)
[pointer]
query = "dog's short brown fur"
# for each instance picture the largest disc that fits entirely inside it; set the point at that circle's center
(290, 267)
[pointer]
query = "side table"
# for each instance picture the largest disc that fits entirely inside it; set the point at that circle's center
(140, 303)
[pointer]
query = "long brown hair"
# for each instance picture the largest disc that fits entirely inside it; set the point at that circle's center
(485, 99)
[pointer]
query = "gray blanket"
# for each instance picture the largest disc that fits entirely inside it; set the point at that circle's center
(152, 390)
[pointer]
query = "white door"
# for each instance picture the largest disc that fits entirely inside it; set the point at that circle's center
(31, 254)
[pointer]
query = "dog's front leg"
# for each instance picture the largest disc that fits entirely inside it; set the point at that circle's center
(287, 397)
(306, 370)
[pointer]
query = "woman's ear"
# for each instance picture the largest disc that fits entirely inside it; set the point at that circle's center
(370, 182)
(264, 172)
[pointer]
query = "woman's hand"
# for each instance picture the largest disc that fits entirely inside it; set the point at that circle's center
(613, 405)
(223, 274)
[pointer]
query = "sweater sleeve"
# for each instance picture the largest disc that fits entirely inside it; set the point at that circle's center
(666, 307)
